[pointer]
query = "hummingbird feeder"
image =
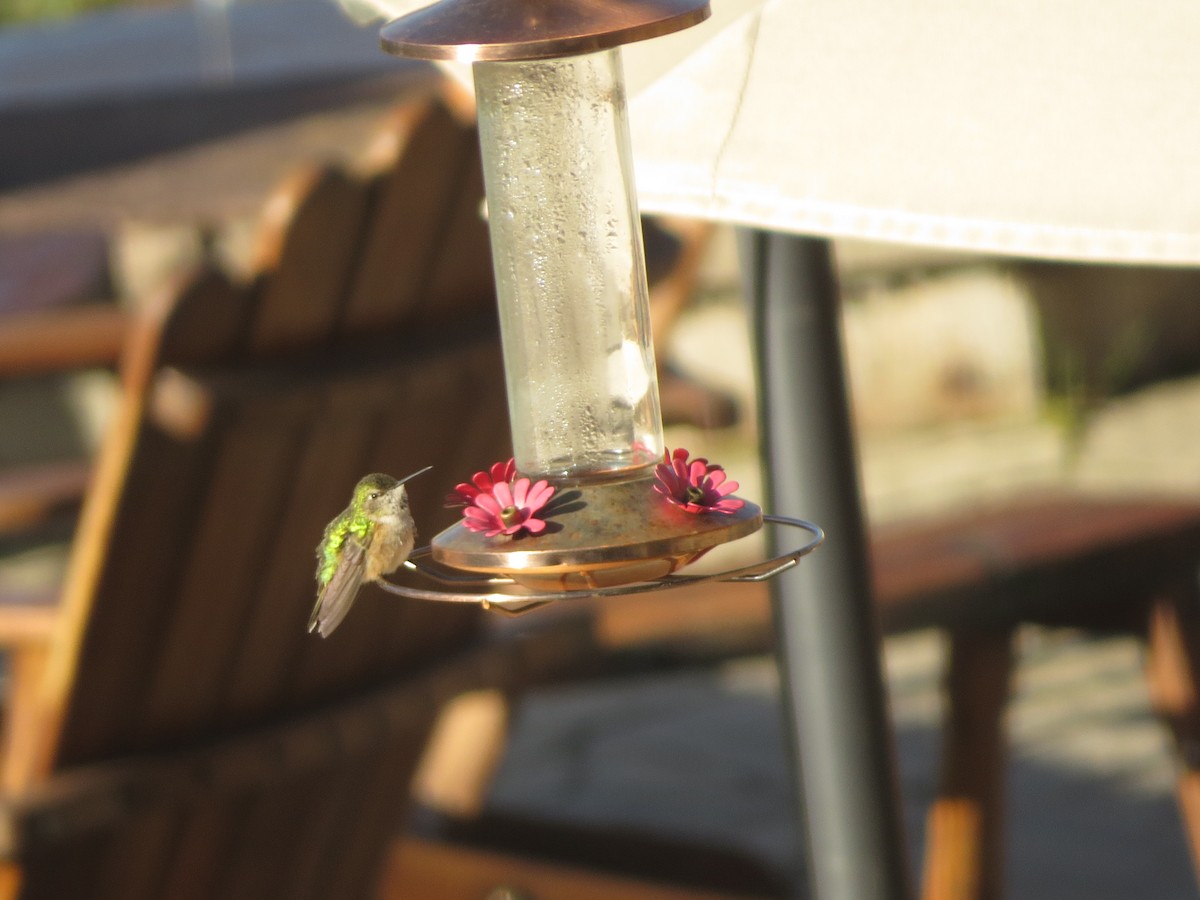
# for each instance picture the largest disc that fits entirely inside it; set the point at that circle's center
(573, 301)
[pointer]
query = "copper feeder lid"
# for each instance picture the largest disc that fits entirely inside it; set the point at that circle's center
(508, 30)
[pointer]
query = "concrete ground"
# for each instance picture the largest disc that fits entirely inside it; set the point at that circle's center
(701, 755)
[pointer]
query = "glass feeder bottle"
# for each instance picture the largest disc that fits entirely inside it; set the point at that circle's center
(570, 267)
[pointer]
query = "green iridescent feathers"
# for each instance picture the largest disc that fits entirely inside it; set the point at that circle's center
(346, 526)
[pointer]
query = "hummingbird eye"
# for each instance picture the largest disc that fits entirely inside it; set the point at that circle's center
(374, 495)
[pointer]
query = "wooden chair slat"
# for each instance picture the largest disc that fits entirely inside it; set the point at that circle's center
(307, 258)
(334, 800)
(138, 860)
(44, 877)
(203, 843)
(323, 873)
(275, 639)
(203, 317)
(353, 872)
(264, 853)
(124, 613)
(220, 579)
(462, 273)
(412, 207)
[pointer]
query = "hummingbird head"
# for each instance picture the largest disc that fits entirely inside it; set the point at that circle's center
(380, 497)
(373, 494)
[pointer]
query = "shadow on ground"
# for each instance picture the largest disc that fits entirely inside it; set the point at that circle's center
(700, 755)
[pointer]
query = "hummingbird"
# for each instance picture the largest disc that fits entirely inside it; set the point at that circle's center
(370, 538)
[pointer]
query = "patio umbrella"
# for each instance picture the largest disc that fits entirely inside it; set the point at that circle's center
(1064, 130)
(1052, 130)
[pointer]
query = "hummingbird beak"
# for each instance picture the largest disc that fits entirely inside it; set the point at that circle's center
(413, 475)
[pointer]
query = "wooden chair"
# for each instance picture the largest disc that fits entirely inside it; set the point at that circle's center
(172, 730)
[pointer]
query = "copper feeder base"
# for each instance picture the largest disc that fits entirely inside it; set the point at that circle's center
(599, 534)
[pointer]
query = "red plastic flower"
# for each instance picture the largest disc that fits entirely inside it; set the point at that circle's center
(464, 494)
(508, 509)
(697, 485)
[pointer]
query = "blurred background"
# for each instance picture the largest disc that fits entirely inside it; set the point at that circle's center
(139, 137)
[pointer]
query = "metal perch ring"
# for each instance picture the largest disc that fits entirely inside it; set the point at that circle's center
(505, 594)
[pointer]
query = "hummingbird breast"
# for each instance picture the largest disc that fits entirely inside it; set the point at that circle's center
(391, 543)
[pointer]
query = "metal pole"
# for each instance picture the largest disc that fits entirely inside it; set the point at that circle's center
(827, 632)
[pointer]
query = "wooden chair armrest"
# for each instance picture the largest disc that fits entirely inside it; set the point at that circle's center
(60, 340)
(30, 494)
(27, 626)
(28, 622)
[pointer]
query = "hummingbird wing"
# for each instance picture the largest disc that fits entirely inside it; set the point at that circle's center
(337, 596)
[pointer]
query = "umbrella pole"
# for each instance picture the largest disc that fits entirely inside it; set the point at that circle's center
(836, 709)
